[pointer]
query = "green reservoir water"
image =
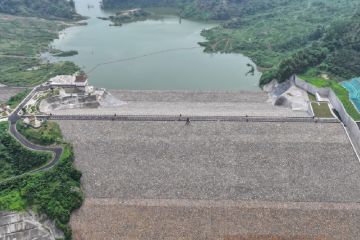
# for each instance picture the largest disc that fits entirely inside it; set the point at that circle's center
(152, 55)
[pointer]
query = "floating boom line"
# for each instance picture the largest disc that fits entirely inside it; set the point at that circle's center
(140, 56)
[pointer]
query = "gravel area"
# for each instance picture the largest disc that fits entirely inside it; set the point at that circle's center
(215, 180)
(7, 92)
(218, 161)
(189, 96)
(114, 219)
(191, 103)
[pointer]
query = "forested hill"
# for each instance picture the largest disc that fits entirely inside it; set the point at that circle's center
(50, 9)
(203, 9)
(125, 4)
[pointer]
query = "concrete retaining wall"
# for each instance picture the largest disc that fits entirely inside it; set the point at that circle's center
(351, 125)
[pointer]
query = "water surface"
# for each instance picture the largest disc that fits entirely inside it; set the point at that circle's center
(171, 58)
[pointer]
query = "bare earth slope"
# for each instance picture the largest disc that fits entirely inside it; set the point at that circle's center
(7, 92)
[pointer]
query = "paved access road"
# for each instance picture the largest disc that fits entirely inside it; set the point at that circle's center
(57, 151)
(172, 118)
(13, 118)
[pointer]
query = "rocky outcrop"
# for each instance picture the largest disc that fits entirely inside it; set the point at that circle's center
(287, 95)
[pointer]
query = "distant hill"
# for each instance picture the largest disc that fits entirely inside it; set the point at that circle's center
(127, 4)
(283, 37)
(50, 9)
(203, 9)
(143, 3)
(343, 41)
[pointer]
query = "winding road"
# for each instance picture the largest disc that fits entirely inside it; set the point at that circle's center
(13, 118)
(57, 151)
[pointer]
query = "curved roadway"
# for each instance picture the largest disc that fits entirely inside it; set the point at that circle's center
(57, 151)
(13, 118)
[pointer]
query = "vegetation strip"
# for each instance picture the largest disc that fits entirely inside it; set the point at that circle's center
(322, 110)
(339, 90)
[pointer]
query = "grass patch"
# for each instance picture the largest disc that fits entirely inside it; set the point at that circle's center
(27, 36)
(49, 133)
(29, 72)
(343, 96)
(322, 110)
(16, 100)
(22, 39)
(312, 97)
(12, 201)
(66, 53)
(316, 81)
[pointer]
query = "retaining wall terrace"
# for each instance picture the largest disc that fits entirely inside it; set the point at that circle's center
(351, 125)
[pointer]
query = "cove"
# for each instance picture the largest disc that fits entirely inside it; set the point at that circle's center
(152, 55)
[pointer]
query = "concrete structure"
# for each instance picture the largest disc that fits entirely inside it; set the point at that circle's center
(69, 81)
(350, 124)
(190, 103)
(77, 99)
(215, 180)
(27, 226)
(288, 95)
(32, 121)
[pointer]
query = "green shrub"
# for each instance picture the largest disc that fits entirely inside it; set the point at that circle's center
(49, 133)
(16, 100)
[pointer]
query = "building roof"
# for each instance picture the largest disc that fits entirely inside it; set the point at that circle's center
(68, 80)
(81, 78)
(63, 80)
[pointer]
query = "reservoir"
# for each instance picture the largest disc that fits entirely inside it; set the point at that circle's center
(152, 55)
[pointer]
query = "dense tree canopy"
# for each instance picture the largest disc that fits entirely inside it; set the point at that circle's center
(203, 9)
(337, 52)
